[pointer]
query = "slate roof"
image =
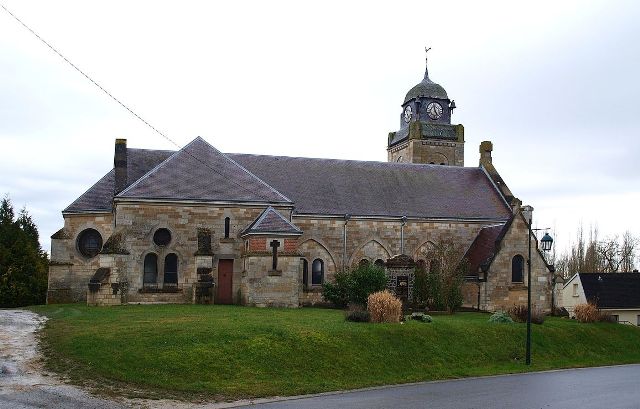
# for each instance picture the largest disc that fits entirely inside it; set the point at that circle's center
(315, 186)
(201, 172)
(271, 221)
(338, 187)
(99, 197)
(614, 290)
(483, 249)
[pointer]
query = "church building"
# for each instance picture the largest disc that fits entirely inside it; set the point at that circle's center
(201, 226)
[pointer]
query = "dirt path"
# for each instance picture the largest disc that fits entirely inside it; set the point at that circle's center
(23, 381)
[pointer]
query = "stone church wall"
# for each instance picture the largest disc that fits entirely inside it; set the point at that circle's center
(500, 292)
(371, 239)
(140, 221)
(69, 270)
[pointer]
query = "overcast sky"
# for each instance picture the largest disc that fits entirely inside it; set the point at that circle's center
(554, 85)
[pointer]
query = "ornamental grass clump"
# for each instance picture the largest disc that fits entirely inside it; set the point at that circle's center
(384, 307)
(586, 313)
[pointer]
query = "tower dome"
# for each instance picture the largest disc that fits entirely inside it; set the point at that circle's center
(426, 89)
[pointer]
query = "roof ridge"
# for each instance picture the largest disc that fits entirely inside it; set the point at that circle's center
(395, 164)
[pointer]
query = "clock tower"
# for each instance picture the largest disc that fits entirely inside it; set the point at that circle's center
(426, 134)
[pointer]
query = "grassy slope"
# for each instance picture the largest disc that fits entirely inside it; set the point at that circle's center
(234, 352)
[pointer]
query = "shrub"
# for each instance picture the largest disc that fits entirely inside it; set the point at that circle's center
(353, 287)
(605, 316)
(419, 316)
(561, 312)
(358, 316)
(366, 280)
(586, 313)
(384, 307)
(337, 292)
(500, 317)
(357, 313)
(519, 314)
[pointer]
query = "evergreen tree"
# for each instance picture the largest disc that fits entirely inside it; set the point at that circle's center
(23, 263)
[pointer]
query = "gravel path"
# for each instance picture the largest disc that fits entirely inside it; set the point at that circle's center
(23, 381)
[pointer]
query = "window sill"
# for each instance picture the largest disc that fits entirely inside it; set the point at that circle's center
(163, 290)
(274, 273)
(313, 289)
(227, 240)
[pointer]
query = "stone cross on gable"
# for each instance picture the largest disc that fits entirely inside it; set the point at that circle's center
(274, 245)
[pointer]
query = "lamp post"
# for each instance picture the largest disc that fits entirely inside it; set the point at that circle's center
(546, 246)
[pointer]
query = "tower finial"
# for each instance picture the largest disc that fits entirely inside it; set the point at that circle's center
(426, 60)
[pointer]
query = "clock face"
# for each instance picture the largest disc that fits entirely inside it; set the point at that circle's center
(408, 113)
(434, 110)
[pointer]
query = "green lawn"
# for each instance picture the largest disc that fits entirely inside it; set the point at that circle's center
(230, 352)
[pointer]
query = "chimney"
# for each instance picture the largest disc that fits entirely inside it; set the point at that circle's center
(527, 212)
(120, 165)
(485, 152)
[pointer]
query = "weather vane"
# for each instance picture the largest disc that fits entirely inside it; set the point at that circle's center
(426, 51)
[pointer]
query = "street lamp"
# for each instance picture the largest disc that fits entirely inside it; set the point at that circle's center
(546, 242)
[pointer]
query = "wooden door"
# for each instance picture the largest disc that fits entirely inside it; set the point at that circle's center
(224, 293)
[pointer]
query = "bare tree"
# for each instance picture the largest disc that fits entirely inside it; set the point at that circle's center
(608, 251)
(628, 251)
(443, 280)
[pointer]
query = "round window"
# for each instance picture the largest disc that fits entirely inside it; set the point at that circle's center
(162, 237)
(89, 243)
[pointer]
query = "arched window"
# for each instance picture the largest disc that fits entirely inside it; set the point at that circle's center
(517, 269)
(317, 272)
(305, 272)
(150, 276)
(171, 270)
(379, 263)
(363, 263)
(227, 226)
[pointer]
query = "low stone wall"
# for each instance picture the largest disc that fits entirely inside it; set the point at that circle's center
(103, 297)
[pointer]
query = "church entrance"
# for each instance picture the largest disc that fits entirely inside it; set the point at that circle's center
(224, 293)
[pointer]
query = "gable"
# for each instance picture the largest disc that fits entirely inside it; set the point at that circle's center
(200, 172)
(271, 221)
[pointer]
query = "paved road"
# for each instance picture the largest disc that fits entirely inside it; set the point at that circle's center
(597, 388)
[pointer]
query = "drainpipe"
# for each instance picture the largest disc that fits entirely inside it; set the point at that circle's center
(344, 242)
(403, 219)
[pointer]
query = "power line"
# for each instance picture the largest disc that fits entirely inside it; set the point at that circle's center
(125, 106)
